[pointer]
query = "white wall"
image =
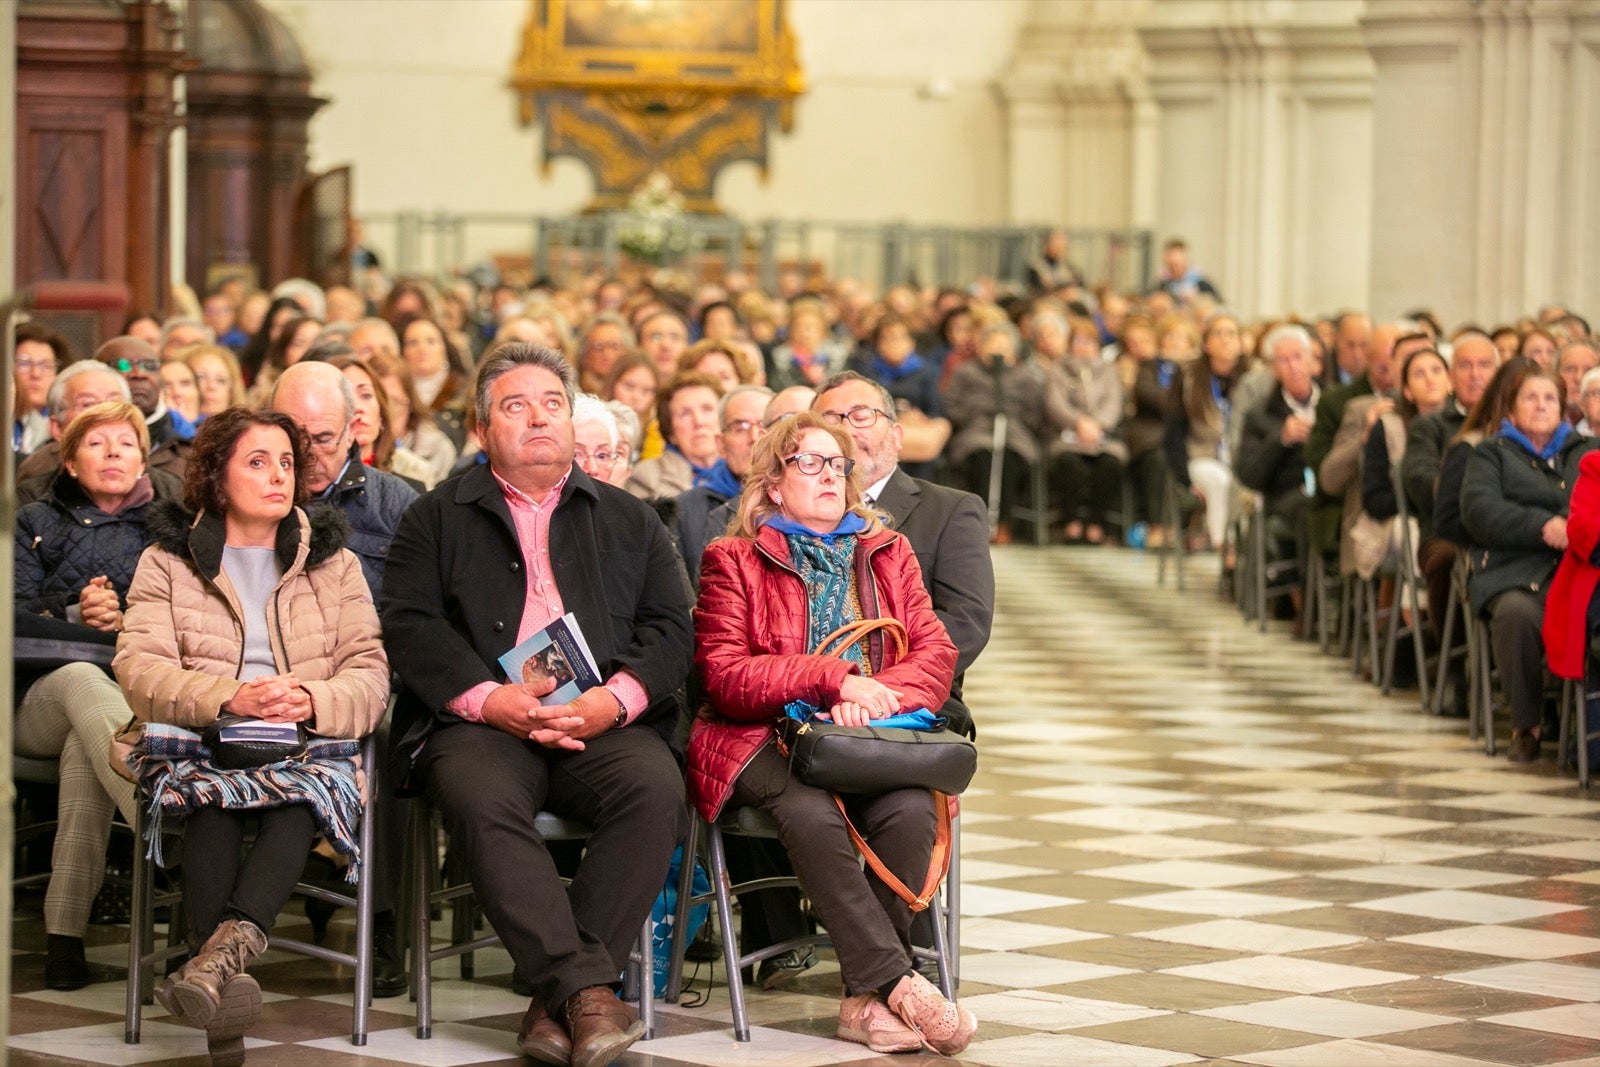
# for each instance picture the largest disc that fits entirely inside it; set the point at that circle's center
(421, 105)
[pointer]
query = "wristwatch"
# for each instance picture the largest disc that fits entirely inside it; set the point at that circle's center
(622, 713)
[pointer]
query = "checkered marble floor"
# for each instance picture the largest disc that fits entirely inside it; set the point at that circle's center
(1187, 842)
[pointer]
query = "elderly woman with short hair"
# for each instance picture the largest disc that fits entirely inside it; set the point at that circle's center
(1514, 501)
(802, 558)
(686, 411)
(74, 558)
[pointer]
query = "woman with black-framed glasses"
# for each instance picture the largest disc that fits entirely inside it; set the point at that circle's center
(804, 557)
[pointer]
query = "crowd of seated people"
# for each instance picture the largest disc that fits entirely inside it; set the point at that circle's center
(939, 413)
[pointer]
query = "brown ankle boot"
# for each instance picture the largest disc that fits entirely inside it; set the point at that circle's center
(196, 990)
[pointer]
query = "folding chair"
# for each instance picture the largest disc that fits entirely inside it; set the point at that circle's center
(143, 956)
(1409, 579)
(753, 822)
(425, 861)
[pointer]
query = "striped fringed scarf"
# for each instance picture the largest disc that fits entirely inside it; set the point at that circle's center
(173, 766)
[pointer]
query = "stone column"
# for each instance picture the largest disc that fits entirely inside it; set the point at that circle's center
(1487, 156)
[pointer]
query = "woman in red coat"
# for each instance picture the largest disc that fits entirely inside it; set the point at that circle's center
(1568, 611)
(804, 557)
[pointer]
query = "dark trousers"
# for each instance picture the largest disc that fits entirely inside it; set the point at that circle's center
(221, 880)
(1013, 478)
(771, 915)
(1087, 486)
(1515, 618)
(869, 925)
(1286, 524)
(391, 815)
(625, 785)
(1148, 475)
(1436, 559)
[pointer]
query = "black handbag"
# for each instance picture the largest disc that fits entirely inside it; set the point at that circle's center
(874, 759)
(235, 755)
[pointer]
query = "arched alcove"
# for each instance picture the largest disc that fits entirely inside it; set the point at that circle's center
(249, 104)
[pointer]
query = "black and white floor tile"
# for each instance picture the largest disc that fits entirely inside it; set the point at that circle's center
(1188, 842)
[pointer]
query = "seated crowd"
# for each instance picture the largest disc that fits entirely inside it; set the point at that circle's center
(709, 483)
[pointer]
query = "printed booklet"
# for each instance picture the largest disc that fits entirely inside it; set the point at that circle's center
(558, 651)
(261, 732)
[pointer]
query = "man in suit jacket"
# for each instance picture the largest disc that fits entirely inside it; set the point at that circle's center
(479, 564)
(948, 529)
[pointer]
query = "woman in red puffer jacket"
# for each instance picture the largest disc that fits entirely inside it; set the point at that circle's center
(803, 558)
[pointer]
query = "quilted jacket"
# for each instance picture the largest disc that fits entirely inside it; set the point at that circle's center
(63, 541)
(1566, 612)
(1507, 496)
(183, 634)
(752, 653)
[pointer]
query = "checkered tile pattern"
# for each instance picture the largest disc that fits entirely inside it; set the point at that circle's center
(1188, 842)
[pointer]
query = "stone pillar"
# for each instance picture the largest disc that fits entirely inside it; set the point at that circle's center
(1262, 149)
(1488, 155)
(1071, 95)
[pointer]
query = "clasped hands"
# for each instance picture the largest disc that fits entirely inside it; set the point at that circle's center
(861, 700)
(271, 698)
(515, 708)
(98, 607)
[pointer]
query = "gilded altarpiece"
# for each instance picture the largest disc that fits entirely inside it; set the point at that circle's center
(631, 87)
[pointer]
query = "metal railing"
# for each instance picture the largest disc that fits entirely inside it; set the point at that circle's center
(563, 247)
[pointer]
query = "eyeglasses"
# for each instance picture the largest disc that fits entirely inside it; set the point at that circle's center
(740, 426)
(211, 379)
(813, 462)
(770, 423)
(601, 458)
(860, 418)
(28, 366)
(609, 346)
(144, 366)
(658, 335)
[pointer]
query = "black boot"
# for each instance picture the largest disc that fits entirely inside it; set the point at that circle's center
(388, 962)
(64, 964)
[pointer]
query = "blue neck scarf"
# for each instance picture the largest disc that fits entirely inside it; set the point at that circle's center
(887, 372)
(701, 474)
(720, 480)
(1548, 452)
(850, 525)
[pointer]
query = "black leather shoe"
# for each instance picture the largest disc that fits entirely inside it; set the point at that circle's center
(389, 977)
(779, 971)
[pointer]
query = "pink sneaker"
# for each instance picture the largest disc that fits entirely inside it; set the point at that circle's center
(868, 1021)
(944, 1027)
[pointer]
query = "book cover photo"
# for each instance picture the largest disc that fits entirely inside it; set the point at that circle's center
(558, 651)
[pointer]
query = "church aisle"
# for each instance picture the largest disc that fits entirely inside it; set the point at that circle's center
(1187, 842)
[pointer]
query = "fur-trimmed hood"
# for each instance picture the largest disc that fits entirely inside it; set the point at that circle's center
(200, 537)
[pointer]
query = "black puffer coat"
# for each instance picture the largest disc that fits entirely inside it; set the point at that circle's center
(1506, 498)
(63, 541)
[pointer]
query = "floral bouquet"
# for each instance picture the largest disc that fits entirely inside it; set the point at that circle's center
(653, 229)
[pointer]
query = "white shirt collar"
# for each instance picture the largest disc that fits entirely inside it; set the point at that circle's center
(876, 488)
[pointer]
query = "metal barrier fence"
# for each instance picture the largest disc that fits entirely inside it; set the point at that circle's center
(562, 247)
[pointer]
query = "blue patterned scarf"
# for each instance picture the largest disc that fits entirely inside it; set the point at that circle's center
(826, 563)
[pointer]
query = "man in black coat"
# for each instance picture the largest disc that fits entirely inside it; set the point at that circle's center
(479, 564)
(318, 397)
(1271, 457)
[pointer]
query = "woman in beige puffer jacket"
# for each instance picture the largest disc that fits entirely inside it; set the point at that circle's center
(249, 606)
